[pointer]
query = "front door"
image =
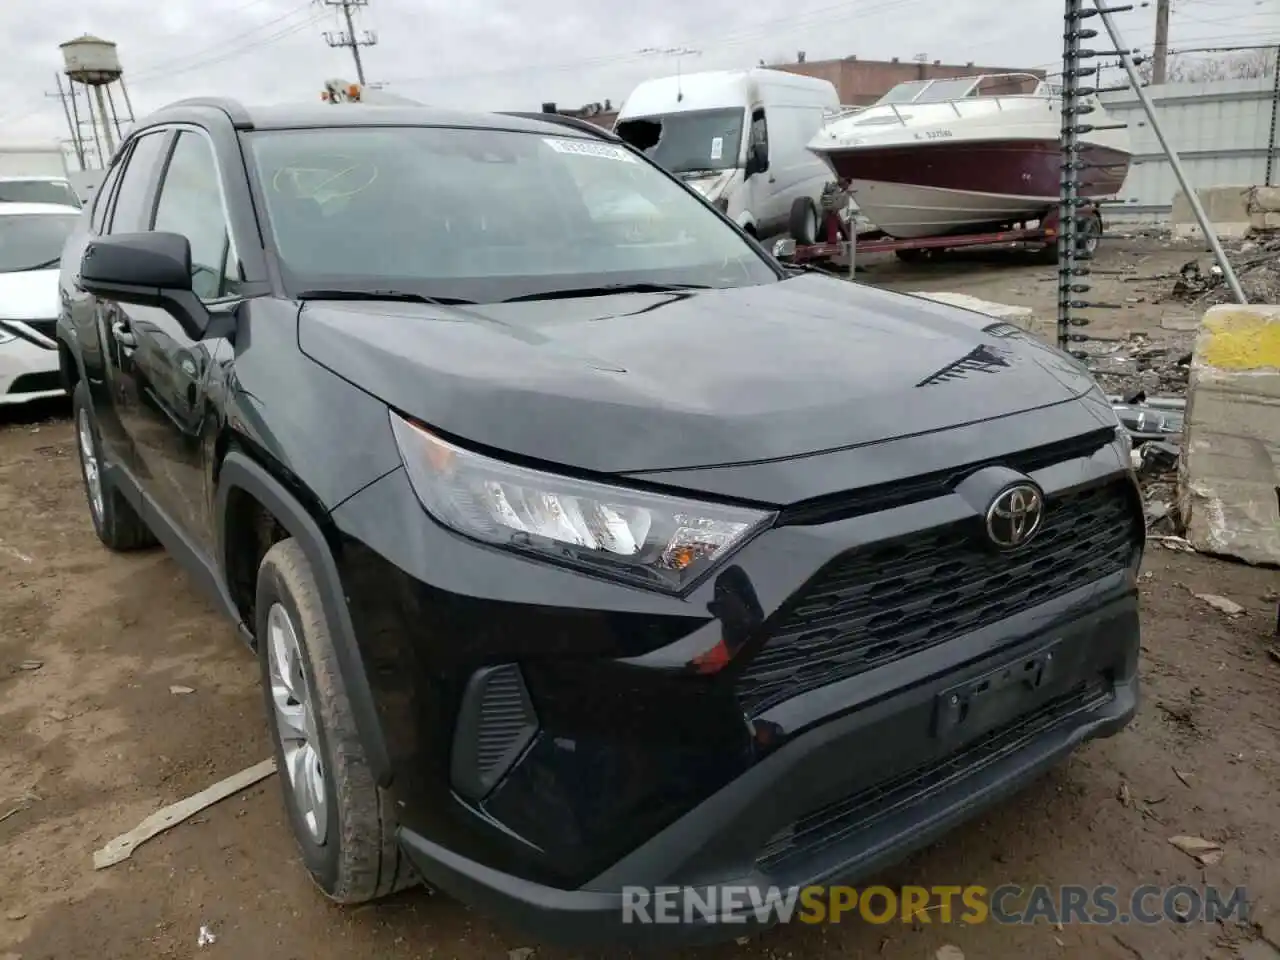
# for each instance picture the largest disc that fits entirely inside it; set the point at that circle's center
(170, 425)
(121, 207)
(761, 185)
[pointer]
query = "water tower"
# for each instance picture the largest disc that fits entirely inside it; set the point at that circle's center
(92, 63)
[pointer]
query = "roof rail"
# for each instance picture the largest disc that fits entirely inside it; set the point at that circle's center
(577, 123)
(239, 116)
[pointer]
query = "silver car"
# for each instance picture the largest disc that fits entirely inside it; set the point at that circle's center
(31, 239)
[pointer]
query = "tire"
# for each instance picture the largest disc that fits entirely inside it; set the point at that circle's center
(912, 255)
(1089, 235)
(803, 221)
(115, 521)
(348, 842)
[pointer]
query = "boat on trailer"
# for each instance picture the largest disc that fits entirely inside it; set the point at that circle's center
(955, 156)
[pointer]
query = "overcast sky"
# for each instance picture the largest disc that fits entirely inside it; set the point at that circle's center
(515, 54)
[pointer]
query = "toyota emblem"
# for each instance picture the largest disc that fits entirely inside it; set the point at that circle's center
(1014, 516)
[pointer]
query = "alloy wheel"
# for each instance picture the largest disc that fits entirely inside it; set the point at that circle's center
(89, 461)
(296, 721)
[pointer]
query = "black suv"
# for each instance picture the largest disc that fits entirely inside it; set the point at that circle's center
(583, 546)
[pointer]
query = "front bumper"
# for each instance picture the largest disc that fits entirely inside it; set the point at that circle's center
(554, 738)
(813, 812)
(28, 371)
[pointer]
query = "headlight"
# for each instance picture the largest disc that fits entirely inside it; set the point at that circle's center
(652, 540)
(1126, 444)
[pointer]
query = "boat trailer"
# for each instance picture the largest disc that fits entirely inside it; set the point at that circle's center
(829, 244)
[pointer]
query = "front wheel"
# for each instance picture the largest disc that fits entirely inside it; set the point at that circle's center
(344, 824)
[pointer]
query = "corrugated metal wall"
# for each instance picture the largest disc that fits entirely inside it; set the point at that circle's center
(1219, 129)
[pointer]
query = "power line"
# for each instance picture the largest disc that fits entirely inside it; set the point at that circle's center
(349, 37)
(163, 68)
(289, 31)
(766, 28)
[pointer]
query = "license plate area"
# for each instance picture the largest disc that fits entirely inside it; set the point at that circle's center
(996, 697)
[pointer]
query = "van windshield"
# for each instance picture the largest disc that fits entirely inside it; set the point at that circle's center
(687, 142)
(485, 215)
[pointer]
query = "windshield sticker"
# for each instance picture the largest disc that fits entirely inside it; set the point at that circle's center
(587, 149)
(717, 148)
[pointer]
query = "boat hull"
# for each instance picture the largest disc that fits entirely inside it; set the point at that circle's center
(931, 189)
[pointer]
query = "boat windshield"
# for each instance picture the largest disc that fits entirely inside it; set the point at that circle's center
(930, 91)
(959, 88)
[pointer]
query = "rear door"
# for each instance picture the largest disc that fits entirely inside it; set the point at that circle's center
(124, 203)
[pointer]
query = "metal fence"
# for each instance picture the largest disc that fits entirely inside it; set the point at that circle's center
(1222, 130)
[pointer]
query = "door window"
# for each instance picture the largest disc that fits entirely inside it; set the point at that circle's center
(133, 207)
(760, 133)
(102, 198)
(191, 204)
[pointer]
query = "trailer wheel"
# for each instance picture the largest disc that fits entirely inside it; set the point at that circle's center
(912, 255)
(1089, 234)
(802, 224)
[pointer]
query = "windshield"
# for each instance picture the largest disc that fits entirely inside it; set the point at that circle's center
(33, 241)
(485, 215)
(688, 142)
(930, 91)
(38, 191)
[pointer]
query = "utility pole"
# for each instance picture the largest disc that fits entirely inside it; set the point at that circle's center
(76, 142)
(348, 37)
(1160, 55)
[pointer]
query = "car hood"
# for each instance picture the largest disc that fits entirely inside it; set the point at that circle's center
(635, 382)
(30, 295)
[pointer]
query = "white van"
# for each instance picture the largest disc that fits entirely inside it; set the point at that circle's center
(738, 137)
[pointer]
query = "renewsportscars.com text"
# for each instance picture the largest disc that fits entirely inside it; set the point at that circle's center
(1008, 904)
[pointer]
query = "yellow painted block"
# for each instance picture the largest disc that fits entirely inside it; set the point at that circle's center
(1235, 337)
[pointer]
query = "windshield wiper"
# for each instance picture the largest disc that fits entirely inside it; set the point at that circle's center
(609, 288)
(402, 296)
(37, 266)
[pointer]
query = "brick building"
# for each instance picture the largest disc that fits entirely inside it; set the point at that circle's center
(857, 81)
(861, 82)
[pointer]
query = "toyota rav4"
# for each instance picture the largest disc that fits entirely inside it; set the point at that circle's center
(584, 546)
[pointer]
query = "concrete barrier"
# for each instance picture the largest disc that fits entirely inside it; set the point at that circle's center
(1230, 465)
(1227, 207)
(1022, 317)
(1234, 212)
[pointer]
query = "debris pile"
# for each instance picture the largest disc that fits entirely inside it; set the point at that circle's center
(1155, 424)
(1139, 368)
(1257, 265)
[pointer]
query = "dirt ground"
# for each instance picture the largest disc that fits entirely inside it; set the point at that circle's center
(92, 740)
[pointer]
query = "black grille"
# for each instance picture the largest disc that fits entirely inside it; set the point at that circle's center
(821, 828)
(879, 603)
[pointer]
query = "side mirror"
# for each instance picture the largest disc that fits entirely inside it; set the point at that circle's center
(148, 269)
(784, 249)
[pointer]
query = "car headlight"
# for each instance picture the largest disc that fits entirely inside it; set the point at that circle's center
(1125, 439)
(649, 539)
